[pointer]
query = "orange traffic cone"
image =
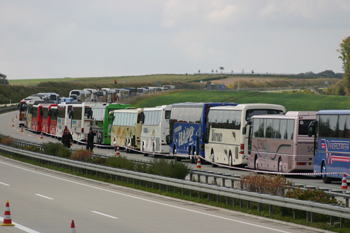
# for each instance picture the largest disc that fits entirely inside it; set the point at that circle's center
(117, 153)
(344, 185)
(71, 143)
(7, 219)
(13, 124)
(72, 227)
(41, 135)
(22, 129)
(199, 166)
(16, 116)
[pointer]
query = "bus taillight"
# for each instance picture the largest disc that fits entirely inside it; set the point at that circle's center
(82, 130)
(242, 149)
(301, 163)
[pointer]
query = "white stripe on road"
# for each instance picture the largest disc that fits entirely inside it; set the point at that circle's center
(4, 184)
(29, 135)
(44, 196)
(147, 200)
(19, 226)
(109, 216)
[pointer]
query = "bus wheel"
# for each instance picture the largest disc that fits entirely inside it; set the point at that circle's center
(325, 179)
(213, 159)
(280, 165)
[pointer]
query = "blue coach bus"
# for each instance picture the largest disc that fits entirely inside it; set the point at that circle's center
(332, 143)
(188, 129)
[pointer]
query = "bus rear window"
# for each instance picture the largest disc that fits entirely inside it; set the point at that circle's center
(303, 127)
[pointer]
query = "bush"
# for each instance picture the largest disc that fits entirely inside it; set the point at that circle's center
(310, 195)
(81, 155)
(64, 152)
(31, 148)
(51, 148)
(167, 168)
(120, 162)
(268, 184)
(7, 141)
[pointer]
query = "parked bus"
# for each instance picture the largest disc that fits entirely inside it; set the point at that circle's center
(155, 127)
(64, 117)
(22, 116)
(132, 91)
(188, 128)
(78, 121)
(92, 94)
(101, 123)
(280, 142)
(228, 132)
(36, 112)
(141, 91)
(46, 115)
(53, 113)
(80, 95)
(126, 128)
(332, 143)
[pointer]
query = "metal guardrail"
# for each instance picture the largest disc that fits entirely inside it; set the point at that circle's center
(7, 109)
(235, 194)
(215, 176)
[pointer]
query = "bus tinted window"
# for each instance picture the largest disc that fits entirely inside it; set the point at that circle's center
(303, 127)
(61, 112)
(77, 113)
(344, 126)
(167, 114)
(329, 126)
(268, 128)
(276, 129)
(283, 129)
(255, 112)
(290, 129)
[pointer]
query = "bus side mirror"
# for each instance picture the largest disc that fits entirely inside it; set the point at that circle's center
(89, 114)
(204, 138)
(110, 118)
(312, 128)
(167, 138)
(70, 114)
(49, 113)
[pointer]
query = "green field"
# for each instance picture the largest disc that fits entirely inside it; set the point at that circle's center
(292, 102)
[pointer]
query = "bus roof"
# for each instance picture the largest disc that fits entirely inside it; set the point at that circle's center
(137, 110)
(251, 106)
(211, 104)
(289, 115)
(333, 112)
(158, 108)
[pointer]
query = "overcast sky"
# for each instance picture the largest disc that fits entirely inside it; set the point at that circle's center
(90, 38)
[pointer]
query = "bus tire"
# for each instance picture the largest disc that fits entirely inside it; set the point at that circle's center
(213, 159)
(325, 179)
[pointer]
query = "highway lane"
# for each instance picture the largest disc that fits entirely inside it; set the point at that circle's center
(5, 124)
(43, 200)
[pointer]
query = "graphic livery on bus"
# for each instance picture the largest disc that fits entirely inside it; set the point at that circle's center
(280, 142)
(155, 127)
(228, 131)
(332, 143)
(187, 128)
(126, 128)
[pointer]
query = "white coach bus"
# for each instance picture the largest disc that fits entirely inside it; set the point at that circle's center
(228, 131)
(155, 128)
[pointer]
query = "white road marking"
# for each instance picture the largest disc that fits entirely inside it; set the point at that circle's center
(143, 199)
(4, 184)
(29, 135)
(109, 216)
(44, 196)
(19, 226)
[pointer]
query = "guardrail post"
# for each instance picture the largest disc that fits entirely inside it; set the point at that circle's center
(160, 187)
(293, 214)
(153, 185)
(259, 207)
(191, 193)
(312, 217)
(147, 184)
(227, 201)
(134, 181)
(341, 222)
(206, 179)
(175, 189)
(332, 220)
(209, 196)
(270, 209)
(248, 205)
(218, 198)
(167, 188)
(241, 203)
(234, 202)
(200, 195)
(191, 176)
(183, 191)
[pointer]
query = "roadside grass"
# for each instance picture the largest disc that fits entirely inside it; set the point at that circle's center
(292, 102)
(202, 198)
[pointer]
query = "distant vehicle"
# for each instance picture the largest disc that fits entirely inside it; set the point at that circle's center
(132, 91)
(80, 95)
(55, 98)
(141, 91)
(92, 94)
(67, 99)
(168, 87)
